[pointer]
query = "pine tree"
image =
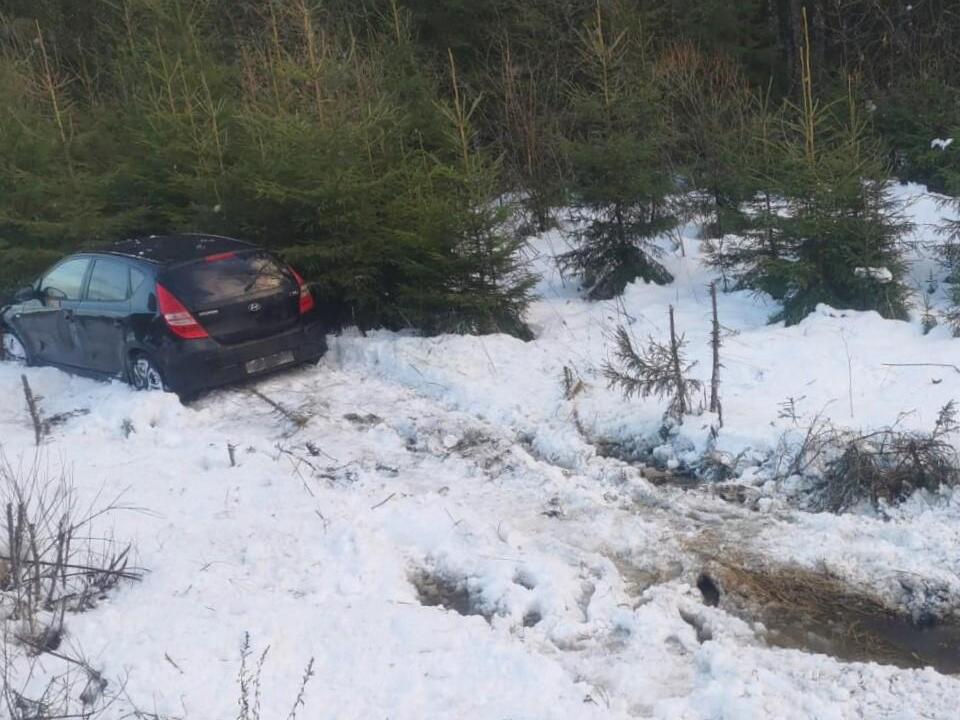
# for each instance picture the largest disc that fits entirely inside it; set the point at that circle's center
(54, 160)
(949, 249)
(332, 175)
(490, 286)
(374, 186)
(829, 230)
(840, 236)
(175, 126)
(619, 181)
(709, 105)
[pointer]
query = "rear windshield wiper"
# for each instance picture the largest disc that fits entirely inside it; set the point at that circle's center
(265, 266)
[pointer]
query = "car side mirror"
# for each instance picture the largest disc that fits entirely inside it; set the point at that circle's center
(26, 294)
(52, 297)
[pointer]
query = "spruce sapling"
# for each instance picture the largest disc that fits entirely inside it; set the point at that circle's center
(659, 370)
(618, 175)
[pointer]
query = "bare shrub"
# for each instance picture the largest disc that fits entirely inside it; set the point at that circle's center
(797, 458)
(52, 561)
(882, 466)
(890, 465)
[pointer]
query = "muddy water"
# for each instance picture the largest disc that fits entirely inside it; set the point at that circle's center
(834, 621)
(807, 610)
(847, 634)
(855, 637)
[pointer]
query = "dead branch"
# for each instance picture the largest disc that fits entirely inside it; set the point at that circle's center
(384, 501)
(34, 411)
(946, 365)
(299, 419)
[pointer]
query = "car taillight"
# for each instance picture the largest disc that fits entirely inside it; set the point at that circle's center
(306, 298)
(177, 317)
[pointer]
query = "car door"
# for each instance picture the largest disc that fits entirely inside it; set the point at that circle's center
(48, 326)
(101, 319)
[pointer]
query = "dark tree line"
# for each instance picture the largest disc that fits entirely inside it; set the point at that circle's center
(382, 144)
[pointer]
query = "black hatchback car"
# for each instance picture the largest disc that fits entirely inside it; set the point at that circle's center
(178, 312)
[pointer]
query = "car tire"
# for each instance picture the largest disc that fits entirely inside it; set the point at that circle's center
(144, 374)
(14, 349)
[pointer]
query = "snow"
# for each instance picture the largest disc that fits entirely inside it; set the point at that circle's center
(460, 458)
(880, 274)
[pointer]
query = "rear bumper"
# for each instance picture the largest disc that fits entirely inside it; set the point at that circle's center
(190, 366)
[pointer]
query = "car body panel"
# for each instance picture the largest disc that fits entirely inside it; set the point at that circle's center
(193, 365)
(47, 328)
(102, 333)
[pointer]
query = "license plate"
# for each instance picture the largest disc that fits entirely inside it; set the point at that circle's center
(270, 361)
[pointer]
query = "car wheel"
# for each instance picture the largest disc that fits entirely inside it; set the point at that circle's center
(13, 348)
(144, 374)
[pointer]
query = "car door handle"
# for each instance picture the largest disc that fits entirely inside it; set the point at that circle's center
(68, 315)
(117, 322)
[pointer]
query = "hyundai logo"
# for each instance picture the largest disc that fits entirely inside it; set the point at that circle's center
(254, 307)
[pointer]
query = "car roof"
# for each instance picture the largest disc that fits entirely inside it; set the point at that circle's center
(172, 249)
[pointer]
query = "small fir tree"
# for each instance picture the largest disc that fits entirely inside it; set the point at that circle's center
(486, 284)
(619, 180)
(659, 370)
(754, 255)
(949, 229)
(830, 230)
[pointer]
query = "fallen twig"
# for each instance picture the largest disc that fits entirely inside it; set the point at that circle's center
(384, 501)
(61, 418)
(132, 574)
(315, 450)
(298, 419)
(170, 660)
(297, 458)
(946, 365)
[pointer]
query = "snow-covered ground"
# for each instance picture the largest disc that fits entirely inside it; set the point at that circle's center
(460, 460)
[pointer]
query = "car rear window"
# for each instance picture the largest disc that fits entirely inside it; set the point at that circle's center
(222, 278)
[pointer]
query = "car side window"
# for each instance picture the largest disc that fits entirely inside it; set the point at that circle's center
(136, 280)
(109, 282)
(66, 280)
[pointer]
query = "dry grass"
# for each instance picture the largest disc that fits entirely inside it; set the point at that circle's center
(814, 593)
(814, 610)
(53, 562)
